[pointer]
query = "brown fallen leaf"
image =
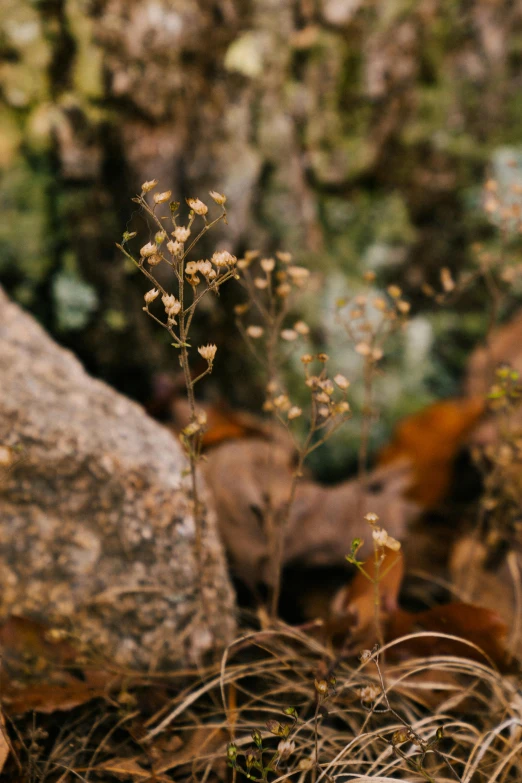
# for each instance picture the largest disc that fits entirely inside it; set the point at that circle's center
(204, 742)
(4, 743)
(125, 768)
(250, 482)
(353, 619)
(43, 672)
(481, 627)
(431, 439)
(491, 586)
(169, 403)
(353, 608)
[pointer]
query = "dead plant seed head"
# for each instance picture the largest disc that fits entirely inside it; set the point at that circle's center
(149, 185)
(208, 352)
(179, 306)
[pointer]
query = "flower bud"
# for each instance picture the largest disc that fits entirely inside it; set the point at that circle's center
(218, 198)
(197, 206)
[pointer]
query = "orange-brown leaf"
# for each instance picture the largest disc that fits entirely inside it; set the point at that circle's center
(430, 440)
(481, 627)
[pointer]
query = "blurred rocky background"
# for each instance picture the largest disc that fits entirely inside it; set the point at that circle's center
(355, 134)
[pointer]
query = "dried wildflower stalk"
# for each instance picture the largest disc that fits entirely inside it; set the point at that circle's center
(369, 322)
(381, 542)
(202, 277)
(272, 290)
(498, 270)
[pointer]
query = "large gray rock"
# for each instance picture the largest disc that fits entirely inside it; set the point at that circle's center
(96, 531)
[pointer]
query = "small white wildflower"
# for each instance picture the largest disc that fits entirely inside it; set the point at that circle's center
(289, 335)
(341, 381)
(285, 749)
(341, 407)
(218, 198)
(223, 258)
(176, 248)
(208, 352)
(255, 331)
(171, 304)
(149, 185)
(381, 538)
(151, 295)
(446, 279)
(363, 349)
(261, 283)
(154, 260)
(148, 250)
(302, 328)
(197, 206)
(327, 386)
(298, 274)
(324, 411)
(283, 290)
(181, 233)
(365, 656)
(322, 397)
(191, 268)
(393, 544)
(307, 358)
(267, 265)
(161, 198)
(205, 267)
(294, 412)
(371, 518)
(284, 257)
(201, 418)
(160, 237)
(369, 693)
(403, 307)
(394, 291)
(191, 428)
(282, 402)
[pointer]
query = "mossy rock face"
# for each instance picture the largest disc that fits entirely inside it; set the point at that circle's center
(353, 135)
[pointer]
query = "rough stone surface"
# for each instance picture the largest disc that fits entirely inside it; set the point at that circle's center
(96, 530)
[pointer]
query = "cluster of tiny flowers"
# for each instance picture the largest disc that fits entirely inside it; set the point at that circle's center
(208, 352)
(323, 388)
(280, 278)
(365, 334)
(369, 693)
(382, 539)
(172, 305)
(380, 536)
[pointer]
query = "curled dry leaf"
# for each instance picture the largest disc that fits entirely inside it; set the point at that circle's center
(42, 672)
(491, 587)
(430, 440)
(4, 743)
(477, 627)
(353, 608)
